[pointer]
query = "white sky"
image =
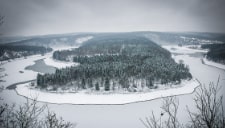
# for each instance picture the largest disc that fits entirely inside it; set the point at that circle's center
(40, 17)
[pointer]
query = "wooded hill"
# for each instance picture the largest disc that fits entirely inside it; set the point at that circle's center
(216, 52)
(114, 62)
(17, 51)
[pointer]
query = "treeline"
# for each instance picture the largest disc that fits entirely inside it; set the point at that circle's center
(118, 63)
(216, 52)
(16, 51)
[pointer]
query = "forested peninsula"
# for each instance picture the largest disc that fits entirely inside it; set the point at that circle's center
(116, 62)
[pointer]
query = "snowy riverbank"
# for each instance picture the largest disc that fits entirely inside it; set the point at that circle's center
(61, 64)
(214, 64)
(183, 50)
(56, 63)
(185, 87)
(15, 72)
(186, 50)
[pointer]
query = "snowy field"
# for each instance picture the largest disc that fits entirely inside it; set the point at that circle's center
(82, 98)
(182, 50)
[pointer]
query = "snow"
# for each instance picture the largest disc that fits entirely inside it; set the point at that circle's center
(102, 116)
(112, 98)
(187, 50)
(12, 70)
(83, 39)
(61, 64)
(211, 63)
(63, 47)
(182, 50)
(56, 63)
(25, 90)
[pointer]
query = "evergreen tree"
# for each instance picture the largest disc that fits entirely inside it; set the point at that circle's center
(97, 87)
(107, 84)
(90, 84)
(39, 82)
(83, 85)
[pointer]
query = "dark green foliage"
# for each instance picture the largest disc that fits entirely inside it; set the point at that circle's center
(123, 60)
(39, 79)
(90, 83)
(107, 84)
(216, 52)
(97, 87)
(83, 85)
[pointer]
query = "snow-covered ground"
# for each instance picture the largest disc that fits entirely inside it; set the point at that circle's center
(56, 63)
(82, 98)
(211, 63)
(113, 98)
(83, 39)
(61, 64)
(12, 70)
(182, 50)
(187, 50)
(120, 116)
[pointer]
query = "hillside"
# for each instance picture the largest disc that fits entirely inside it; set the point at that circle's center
(11, 52)
(216, 52)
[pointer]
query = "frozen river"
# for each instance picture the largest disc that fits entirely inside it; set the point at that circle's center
(126, 116)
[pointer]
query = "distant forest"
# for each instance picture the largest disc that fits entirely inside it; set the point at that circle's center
(16, 51)
(216, 52)
(114, 62)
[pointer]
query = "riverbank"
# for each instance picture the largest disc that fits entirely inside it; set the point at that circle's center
(78, 98)
(214, 64)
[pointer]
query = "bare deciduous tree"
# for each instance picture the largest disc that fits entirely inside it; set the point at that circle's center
(209, 114)
(28, 116)
(170, 107)
(209, 105)
(52, 121)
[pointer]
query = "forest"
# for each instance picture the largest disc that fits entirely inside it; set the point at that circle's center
(16, 51)
(216, 52)
(114, 62)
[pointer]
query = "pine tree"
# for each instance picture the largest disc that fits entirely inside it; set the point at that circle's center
(83, 85)
(97, 87)
(107, 84)
(90, 83)
(39, 82)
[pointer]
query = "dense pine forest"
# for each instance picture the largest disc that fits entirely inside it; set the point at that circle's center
(216, 52)
(16, 51)
(115, 62)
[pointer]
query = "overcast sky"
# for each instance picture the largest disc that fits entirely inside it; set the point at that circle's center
(39, 17)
